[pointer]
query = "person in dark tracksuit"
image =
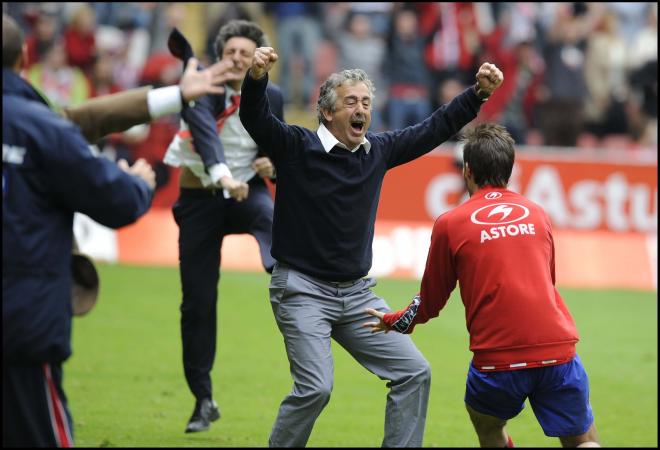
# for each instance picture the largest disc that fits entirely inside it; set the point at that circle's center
(222, 192)
(48, 173)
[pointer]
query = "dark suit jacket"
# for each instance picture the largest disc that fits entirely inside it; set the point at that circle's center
(201, 118)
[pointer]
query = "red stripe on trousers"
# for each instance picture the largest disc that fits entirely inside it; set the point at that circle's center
(57, 413)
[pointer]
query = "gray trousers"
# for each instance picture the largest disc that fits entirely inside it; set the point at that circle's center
(309, 312)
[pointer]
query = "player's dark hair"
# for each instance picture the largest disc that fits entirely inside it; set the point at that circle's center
(488, 151)
(239, 28)
(12, 41)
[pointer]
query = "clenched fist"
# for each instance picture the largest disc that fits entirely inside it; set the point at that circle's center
(263, 60)
(237, 190)
(263, 167)
(489, 78)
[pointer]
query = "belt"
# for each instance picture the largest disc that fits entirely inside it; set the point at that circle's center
(203, 193)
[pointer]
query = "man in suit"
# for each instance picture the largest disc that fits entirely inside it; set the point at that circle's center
(222, 192)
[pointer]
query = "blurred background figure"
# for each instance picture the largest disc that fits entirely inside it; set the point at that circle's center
(562, 114)
(605, 73)
(409, 99)
(579, 75)
(378, 13)
(44, 30)
(79, 38)
(298, 29)
(360, 48)
(642, 108)
(512, 47)
(453, 40)
(64, 85)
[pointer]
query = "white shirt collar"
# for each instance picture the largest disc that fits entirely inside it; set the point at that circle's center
(228, 93)
(328, 140)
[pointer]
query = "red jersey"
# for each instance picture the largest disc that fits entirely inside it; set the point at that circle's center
(498, 246)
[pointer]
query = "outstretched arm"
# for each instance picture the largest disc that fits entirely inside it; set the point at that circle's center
(112, 113)
(438, 282)
(416, 140)
(272, 135)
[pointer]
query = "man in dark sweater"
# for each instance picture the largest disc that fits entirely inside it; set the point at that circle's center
(327, 195)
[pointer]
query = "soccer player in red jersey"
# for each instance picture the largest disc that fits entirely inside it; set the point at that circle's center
(498, 246)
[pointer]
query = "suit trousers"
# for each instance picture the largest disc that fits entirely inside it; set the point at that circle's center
(309, 312)
(204, 218)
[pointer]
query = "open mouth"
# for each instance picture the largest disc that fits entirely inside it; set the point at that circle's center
(357, 126)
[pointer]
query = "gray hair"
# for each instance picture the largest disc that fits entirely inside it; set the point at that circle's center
(328, 91)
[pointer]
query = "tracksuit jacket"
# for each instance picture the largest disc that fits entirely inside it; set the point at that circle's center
(498, 247)
(48, 173)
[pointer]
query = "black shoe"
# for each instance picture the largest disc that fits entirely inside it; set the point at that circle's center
(206, 411)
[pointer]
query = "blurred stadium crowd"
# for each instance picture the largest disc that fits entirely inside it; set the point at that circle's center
(576, 74)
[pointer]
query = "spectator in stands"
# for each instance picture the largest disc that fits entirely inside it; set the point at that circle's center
(515, 103)
(62, 84)
(643, 78)
(166, 17)
(453, 40)
(605, 75)
(562, 114)
(360, 48)
(102, 76)
(378, 14)
(447, 90)
(408, 78)
(124, 15)
(44, 32)
(299, 34)
(79, 39)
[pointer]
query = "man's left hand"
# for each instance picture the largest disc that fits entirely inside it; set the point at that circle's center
(489, 78)
(264, 167)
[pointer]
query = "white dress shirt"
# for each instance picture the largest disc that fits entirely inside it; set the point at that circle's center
(328, 140)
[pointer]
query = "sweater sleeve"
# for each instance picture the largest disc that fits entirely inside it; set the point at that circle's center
(438, 282)
(277, 139)
(417, 140)
(94, 186)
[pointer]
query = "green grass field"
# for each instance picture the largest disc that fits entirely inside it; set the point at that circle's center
(126, 387)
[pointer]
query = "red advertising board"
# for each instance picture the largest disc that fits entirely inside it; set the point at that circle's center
(604, 213)
(578, 192)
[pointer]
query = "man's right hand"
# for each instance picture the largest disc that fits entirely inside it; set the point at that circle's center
(141, 169)
(238, 190)
(263, 60)
(195, 84)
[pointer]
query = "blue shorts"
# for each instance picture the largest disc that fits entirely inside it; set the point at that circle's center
(559, 396)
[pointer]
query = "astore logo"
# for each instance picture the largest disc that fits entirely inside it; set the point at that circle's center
(492, 195)
(499, 214)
